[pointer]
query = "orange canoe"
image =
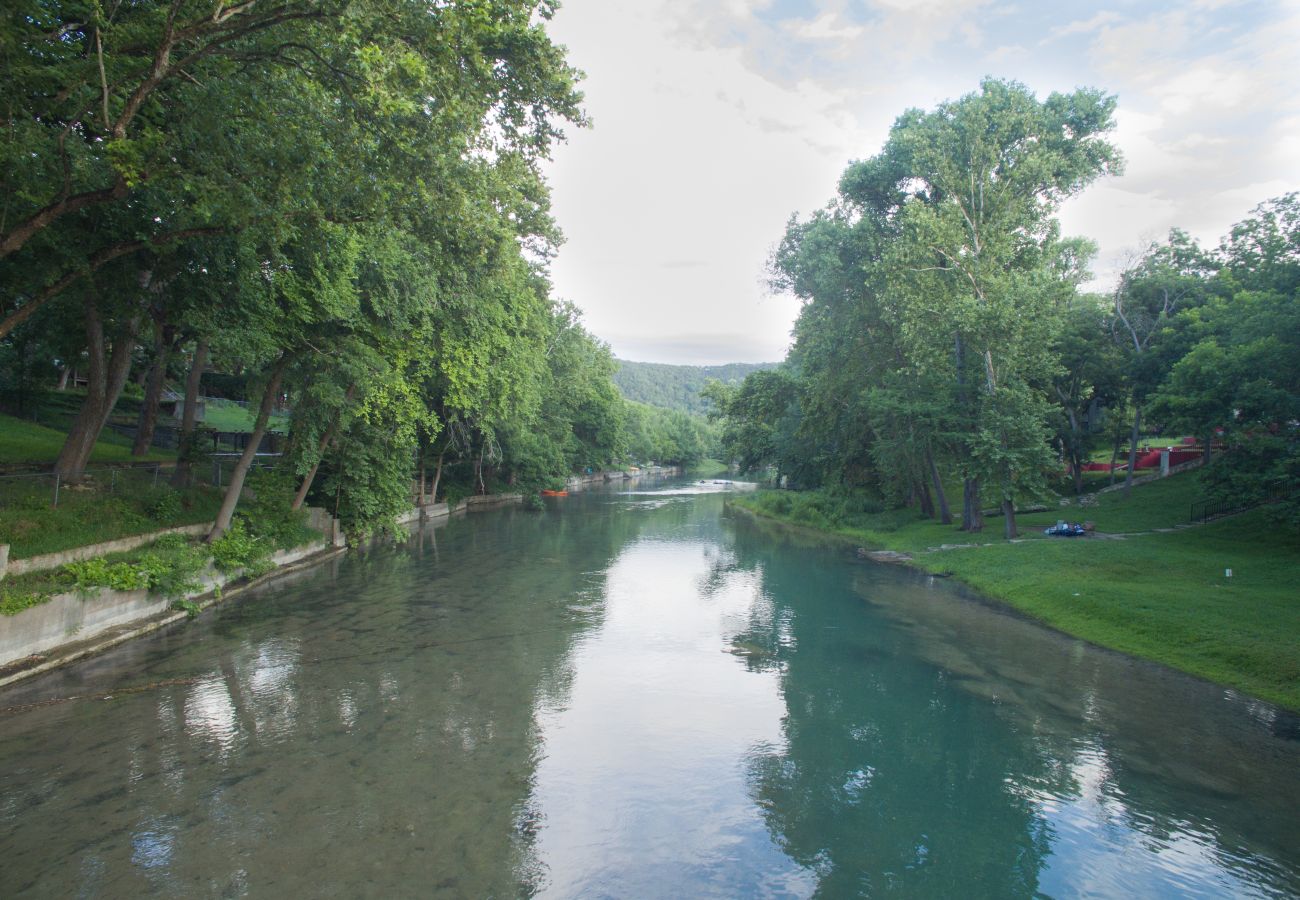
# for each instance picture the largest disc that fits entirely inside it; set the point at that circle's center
(555, 493)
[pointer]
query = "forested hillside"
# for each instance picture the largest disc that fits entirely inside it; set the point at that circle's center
(677, 387)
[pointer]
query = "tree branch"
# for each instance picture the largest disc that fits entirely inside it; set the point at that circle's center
(96, 261)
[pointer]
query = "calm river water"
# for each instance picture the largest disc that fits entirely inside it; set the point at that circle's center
(634, 694)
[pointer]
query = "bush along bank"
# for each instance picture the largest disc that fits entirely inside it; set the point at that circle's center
(1159, 591)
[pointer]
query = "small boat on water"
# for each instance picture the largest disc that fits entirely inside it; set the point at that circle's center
(555, 493)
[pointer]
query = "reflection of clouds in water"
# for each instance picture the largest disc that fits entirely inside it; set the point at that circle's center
(1109, 849)
(210, 714)
(347, 710)
(272, 687)
(858, 781)
(152, 847)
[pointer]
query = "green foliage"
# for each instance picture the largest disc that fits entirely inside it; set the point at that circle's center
(98, 572)
(170, 567)
(240, 550)
(165, 505)
(348, 194)
(14, 601)
(666, 437)
(680, 388)
(267, 513)
(189, 607)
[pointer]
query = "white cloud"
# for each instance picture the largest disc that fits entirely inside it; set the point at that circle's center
(826, 27)
(714, 121)
(1084, 26)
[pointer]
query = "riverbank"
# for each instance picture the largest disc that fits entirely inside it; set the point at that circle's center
(46, 622)
(1161, 593)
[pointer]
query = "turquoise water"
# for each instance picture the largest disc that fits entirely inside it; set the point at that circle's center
(634, 694)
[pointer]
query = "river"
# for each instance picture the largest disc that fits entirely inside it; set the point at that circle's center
(634, 694)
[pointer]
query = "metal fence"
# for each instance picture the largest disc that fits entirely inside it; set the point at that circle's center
(167, 437)
(1205, 510)
(49, 489)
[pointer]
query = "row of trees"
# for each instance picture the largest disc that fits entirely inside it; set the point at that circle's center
(943, 329)
(339, 199)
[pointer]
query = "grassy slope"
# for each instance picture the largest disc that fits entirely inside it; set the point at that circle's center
(26, 443)
(1161, 596)
(32, 527)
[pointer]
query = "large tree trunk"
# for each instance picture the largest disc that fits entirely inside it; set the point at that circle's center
(437, 477)
(1009, 518)
(922, 489)
(1072, 454)
(183, 477)
(1209, 438)
(326, 439)
(236, 486)
(162, 345)
(945, 514)
(106, 378)
(971, 517)
(1114, 456)
(1133, 448)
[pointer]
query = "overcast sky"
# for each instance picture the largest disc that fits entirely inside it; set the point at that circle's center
(715, 120)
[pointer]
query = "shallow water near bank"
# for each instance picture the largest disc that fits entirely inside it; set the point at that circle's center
(635, 694)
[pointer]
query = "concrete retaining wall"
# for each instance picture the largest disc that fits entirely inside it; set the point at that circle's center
(54, 560)
(491, 501)
(73, 617)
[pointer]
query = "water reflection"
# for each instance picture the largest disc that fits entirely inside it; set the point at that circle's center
(630, 695)
(942, 748)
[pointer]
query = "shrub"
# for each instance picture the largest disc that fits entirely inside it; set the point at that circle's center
(99, 572)
(267, 511)
(164, 505)
(238, 549)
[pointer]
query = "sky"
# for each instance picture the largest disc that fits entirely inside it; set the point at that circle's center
(715, 121)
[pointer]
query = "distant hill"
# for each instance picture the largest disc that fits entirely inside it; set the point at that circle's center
(677, 387)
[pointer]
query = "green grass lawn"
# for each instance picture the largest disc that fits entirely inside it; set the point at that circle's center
(220, 415)
(102, 509)
(1160, 596)
(26, 443)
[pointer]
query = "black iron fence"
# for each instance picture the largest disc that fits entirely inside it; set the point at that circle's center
(1205, 510)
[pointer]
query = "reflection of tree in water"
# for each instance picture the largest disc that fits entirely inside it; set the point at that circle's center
(889, 779)
(990, 726)
(372, 727)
